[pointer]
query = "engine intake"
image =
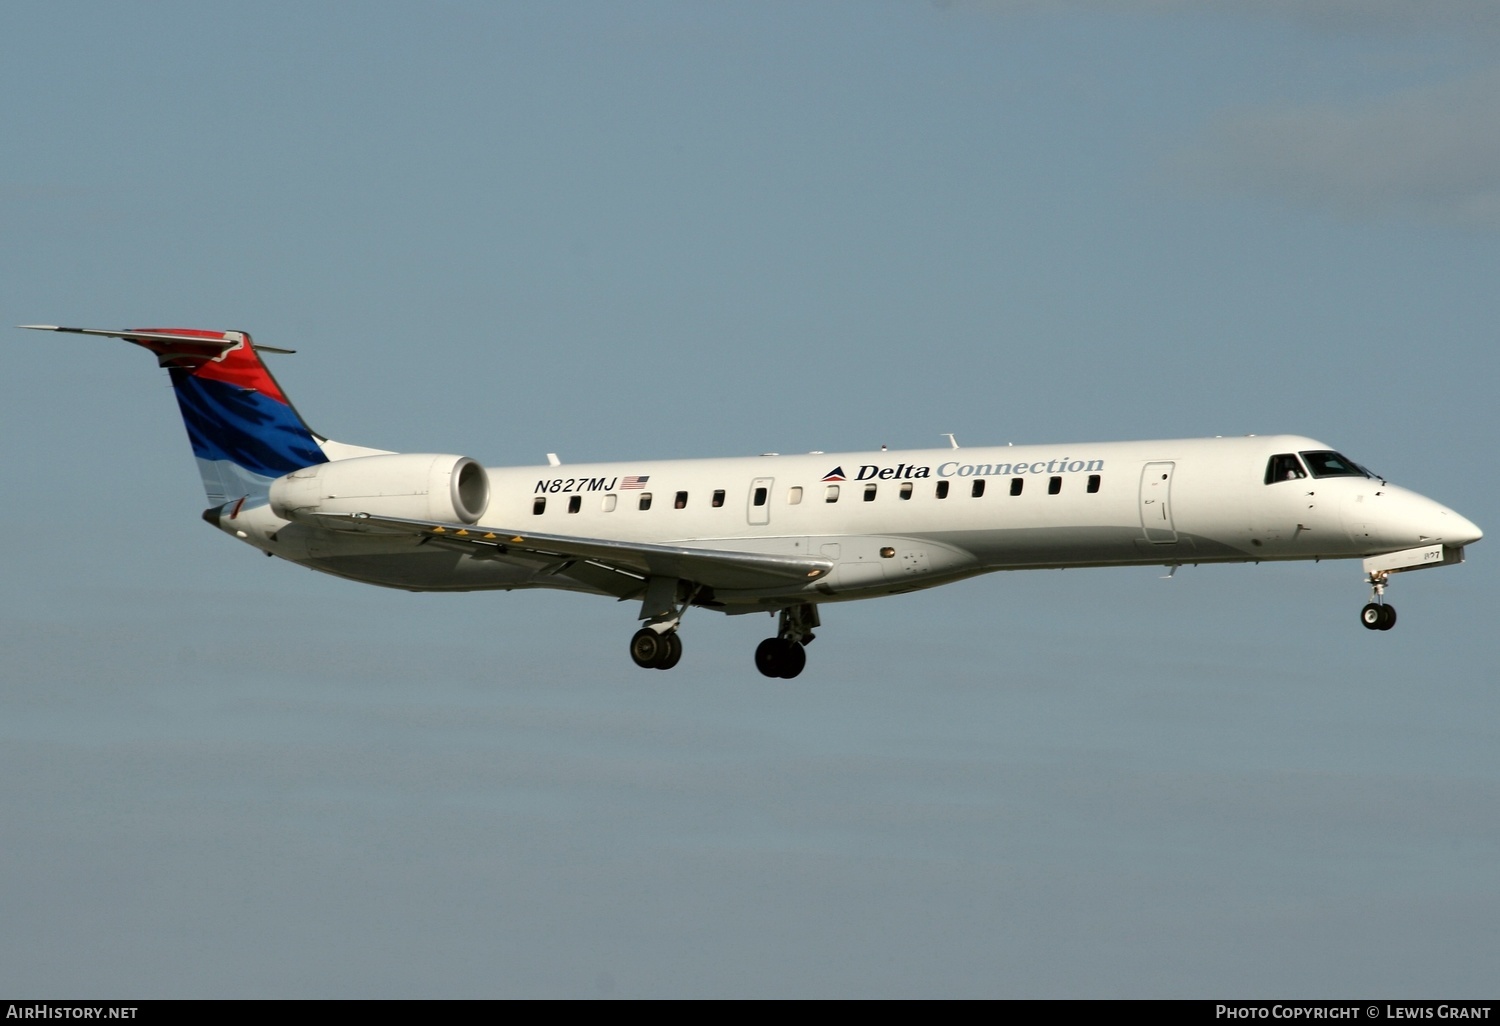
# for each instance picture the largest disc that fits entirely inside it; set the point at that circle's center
(418, 486)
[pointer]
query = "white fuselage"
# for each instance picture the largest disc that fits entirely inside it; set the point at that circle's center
(898, 521)
(773, 533)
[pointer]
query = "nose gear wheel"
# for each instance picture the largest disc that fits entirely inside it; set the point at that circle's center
(1376, 615)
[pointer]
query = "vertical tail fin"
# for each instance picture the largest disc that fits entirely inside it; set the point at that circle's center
(243, 431)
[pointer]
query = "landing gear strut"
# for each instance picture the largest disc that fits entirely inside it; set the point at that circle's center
(785, 655)
(1377, 615)
(656, 645)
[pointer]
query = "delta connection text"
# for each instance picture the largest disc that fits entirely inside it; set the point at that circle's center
(953, 468)
(1423, 1010)
(867, 472)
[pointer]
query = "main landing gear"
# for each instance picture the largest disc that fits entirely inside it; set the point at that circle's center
(785, 655)
(1376, 615)
(780, 657)
(651, 650)
(656, 646)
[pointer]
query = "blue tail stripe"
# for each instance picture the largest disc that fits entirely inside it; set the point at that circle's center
(246, 428)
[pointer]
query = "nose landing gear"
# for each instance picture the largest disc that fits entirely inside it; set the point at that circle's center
(1376, 615)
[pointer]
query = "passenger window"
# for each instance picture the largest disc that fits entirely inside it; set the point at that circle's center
(942, 489)
(1284, 467)
(978, 488)
(609, 503)
(832, 495)
(869, 493)
(575, 503)
(1054, 486)
(794, 496)
(760, 496)
(906, 490)
(645, 500)
(1093, 483)
(718, 498)
(538, 505)
(681, 501)
(1016, 484)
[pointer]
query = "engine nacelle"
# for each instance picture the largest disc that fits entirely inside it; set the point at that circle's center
(418, 486)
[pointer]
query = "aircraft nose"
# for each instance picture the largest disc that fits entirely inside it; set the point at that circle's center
(1404, 517)
(1439, 523)
(1459, 530)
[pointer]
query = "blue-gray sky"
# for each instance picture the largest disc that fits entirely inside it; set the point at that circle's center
(675, 229)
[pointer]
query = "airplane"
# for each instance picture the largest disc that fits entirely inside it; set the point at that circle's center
(773, 534)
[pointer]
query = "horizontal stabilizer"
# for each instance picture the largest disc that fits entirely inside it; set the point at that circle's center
(219, 344)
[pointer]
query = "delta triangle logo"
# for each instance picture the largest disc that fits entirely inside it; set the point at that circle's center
(836, 474)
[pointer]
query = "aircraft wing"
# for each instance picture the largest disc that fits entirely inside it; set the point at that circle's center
(716, 568)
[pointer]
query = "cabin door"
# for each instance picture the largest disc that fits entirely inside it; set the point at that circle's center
(1156, 503)
(759, 508)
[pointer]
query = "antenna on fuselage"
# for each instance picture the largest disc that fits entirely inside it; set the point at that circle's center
(952, 442)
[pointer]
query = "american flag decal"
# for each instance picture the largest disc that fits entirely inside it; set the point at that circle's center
(635, 482)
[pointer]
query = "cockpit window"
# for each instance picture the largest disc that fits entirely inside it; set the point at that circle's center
(1332, 464)
(1284, 467)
